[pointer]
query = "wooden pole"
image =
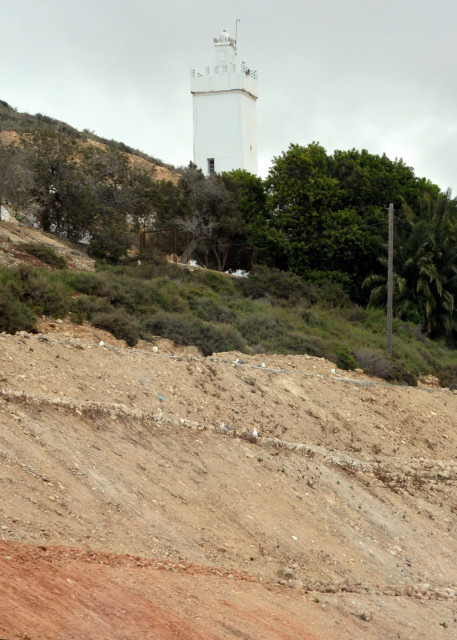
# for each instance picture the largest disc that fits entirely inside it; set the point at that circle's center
(390, 278)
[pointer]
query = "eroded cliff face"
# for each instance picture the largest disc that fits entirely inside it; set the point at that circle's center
(136, 501)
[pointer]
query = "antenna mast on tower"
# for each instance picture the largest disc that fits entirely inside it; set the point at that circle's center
(236, 35)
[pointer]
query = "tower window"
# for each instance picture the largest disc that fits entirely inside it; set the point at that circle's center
(210, 165)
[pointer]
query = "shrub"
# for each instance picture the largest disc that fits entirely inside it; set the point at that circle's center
(217, 282)
(356, 314)
(119, 323)
(187, 330)
(333, 296)
(39, 292)
(212, 310)
(299, 343)
(374, 363)
(81, 281)
(447, 376)
(14, 314)
(311, 318)
(345, 358)
(258, 327)
(110, 242)
(84, 307)
(44, 253)
(400, 373)
(283, 285)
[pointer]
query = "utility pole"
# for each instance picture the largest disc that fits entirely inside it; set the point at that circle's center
(390, 278)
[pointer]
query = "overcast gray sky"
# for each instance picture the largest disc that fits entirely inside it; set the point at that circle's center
(374, 74)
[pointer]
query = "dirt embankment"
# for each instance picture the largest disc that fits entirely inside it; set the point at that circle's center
(136, 501)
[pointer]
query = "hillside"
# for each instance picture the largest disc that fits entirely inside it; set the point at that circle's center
(135, 502)
(13, 123)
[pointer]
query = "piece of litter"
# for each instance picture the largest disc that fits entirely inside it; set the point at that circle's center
(161, 398)
(333, 371)
(155, 349)
(101, 343)
(263, 365)
(294, 538)
(224, 426)
(255, 433)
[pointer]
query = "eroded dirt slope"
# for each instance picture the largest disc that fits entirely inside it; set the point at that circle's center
(135, 501)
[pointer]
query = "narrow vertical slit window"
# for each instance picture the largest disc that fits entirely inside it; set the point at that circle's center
(210, 165)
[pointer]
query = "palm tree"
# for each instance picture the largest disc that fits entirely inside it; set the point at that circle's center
(425, 267)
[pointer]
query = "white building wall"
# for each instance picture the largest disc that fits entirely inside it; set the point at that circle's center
(224, 130)
(224, 111)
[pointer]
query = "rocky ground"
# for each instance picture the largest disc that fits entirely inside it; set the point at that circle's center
(136, 501)
(13, 235)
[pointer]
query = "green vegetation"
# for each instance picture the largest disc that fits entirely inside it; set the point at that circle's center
(269, 312)
(44, 253)
(313, 236)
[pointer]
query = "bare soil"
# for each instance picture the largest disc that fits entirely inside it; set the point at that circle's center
(135, 501)
(13, 235)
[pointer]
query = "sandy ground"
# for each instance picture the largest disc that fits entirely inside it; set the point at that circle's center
(136, 501)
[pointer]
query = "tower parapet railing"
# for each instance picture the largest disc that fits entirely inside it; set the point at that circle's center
(225, 69)
(225, 39)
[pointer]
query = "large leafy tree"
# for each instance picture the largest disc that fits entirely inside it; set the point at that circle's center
(249, 245)
(327, 213)
(319, 231)
(60, 189)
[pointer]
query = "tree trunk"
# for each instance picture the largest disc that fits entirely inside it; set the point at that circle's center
(193, 245)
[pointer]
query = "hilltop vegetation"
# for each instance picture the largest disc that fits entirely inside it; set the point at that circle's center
(312, 235)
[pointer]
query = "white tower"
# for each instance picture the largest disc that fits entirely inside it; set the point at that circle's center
(224, 98)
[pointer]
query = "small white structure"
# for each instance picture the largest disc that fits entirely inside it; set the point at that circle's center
(224, 101)
(5, 214)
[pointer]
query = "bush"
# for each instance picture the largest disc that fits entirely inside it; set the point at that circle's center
(14, 314)
(44, 253)
(187, 330)
(110, 243)
(311, 318)
(42, 294)
(299, 343)
(84, 307)
(283, 285)
(374, 363)
(212, 310)
(119, 323)
(345, 358)
(37, 290)
(447, 376)
(218, 283)
(333, 296)
(400, 373)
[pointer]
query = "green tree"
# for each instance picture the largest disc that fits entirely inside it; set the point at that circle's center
(207, 212)
(425, 279)
(15, 176)
(326, 215)
(249, 245)
(60, 189)
(316, 234)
